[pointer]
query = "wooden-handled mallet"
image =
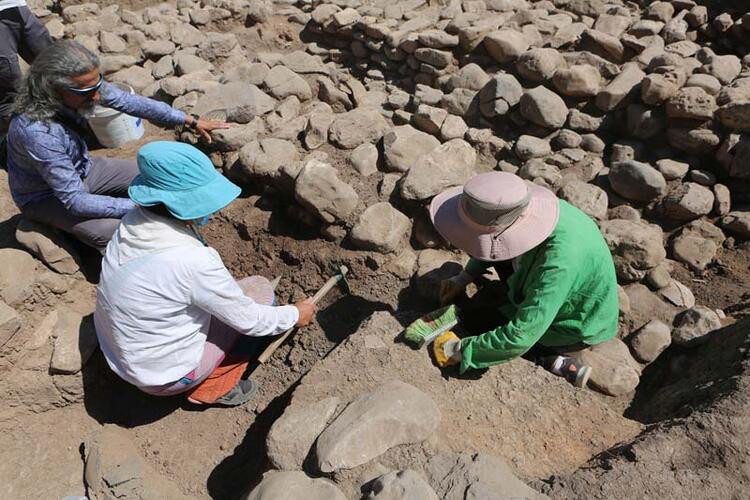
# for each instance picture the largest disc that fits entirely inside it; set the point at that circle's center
(338, 279)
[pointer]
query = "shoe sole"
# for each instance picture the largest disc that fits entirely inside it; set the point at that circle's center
(583, 376)
(241, 399)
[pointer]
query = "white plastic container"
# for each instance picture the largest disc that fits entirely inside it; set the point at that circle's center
(113, 128)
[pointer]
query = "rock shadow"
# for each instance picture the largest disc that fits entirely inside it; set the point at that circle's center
(8, 232)
(344, 315)
(241, 471)
(683, 380)
(281, 224)
(741, 309)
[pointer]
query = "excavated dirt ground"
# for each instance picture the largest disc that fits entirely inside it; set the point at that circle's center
(218, 453)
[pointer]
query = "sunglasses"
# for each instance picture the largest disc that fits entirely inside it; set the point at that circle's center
(87, 90)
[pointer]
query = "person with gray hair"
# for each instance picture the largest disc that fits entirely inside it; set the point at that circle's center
(21, 33)
(53, 179)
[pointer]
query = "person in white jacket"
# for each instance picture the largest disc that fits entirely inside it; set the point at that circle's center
(168, 312)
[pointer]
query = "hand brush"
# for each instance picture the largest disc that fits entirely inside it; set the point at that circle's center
(429, 327)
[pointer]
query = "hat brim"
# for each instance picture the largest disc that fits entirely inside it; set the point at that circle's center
(187, 204)
(532, 228)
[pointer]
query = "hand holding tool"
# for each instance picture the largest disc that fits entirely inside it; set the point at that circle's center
(338, 279)
(447, 349)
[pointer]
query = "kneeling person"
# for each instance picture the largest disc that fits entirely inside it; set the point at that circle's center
(168, 313)
(562, 287)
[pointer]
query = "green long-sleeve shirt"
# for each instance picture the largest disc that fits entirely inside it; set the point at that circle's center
(563, 292)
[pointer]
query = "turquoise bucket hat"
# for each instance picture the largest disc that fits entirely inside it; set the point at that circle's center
(182, 178)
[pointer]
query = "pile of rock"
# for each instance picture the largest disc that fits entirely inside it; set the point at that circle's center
(632, 113)
(558, 82)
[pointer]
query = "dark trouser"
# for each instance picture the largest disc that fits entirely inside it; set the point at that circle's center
(109, 177)
(21, 33)
(481, 314)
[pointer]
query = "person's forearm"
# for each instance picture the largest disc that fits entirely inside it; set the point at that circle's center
(258, 320)
(142, 107)
(160, 112)
(98, 206)
(545, 292)
(495, 347)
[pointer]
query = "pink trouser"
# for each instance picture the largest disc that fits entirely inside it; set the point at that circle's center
(219, 342)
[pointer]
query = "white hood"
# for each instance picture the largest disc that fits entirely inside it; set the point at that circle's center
(142, 232)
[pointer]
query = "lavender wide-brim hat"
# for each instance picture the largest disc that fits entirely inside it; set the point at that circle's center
(495, 216)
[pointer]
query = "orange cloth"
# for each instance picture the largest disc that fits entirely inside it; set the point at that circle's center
(221, 381)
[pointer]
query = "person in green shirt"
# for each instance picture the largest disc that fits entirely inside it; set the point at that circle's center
(562, 288)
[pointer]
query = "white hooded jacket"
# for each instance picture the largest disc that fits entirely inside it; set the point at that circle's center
(159, 288)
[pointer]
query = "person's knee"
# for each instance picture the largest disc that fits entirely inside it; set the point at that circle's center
(96, 232)
(131, 169)
(259, 289)
(10, 73)
(37, 35)
(126, 172)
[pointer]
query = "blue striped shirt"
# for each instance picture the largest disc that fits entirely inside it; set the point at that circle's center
(48, 158)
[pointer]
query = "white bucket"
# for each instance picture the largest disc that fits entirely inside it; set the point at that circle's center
(114, 128)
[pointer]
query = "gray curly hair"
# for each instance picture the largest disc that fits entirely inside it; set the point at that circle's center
(38, 92)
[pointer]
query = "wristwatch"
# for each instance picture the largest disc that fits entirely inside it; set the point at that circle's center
(194, 124)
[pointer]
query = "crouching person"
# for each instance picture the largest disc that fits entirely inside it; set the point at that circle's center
(560, 277)
(168, 313)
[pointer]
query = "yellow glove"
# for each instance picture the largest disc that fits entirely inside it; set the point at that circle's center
(447, 349)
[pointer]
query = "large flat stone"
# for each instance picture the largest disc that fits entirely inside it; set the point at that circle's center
(404, 146)
(241, 101)
(115, 469)
(265, 157)
(356, 127)
(48, 246)
(398, 485)
(608, 376)
(282, 82)
(636, 247)
(293, 434)
(450, 164)
(463, 476)
(392, 414)
(381, 228)
(319, 189)
(17, 274)
(434, 266)
(292, 485)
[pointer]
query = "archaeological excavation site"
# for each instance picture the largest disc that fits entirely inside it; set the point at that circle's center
(343, 126)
